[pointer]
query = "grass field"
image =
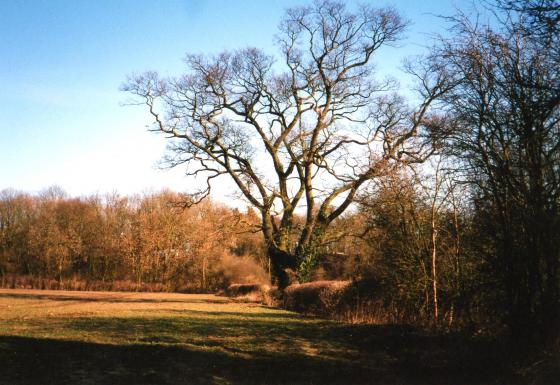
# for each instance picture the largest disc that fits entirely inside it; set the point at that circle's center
(56, 337)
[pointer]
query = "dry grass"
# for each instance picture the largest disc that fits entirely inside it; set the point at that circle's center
(56, 337)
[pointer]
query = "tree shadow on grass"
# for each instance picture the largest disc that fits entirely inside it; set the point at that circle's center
(47, 361)
(320, 352)
(214, 347)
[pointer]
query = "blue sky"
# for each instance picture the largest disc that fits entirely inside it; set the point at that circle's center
(63, 62)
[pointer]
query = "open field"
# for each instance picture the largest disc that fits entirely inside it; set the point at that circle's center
(56, 337)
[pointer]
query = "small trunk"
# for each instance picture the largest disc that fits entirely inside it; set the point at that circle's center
(457, 243)
(434, 271)
(203, 273)
(60, 275)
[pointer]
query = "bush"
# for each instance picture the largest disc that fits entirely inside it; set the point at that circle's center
(253, 293)
(319, 297)
(347, 301)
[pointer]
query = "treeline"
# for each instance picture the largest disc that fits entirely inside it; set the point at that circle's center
(145, 242)
(421, 247)
(411, 247)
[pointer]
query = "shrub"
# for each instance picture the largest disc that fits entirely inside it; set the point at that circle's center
(253, 293)
(348, 301)
(319, 297)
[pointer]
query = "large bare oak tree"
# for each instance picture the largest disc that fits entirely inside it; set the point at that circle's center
(301, 133)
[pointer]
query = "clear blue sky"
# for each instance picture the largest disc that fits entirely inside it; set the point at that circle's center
(62, 63)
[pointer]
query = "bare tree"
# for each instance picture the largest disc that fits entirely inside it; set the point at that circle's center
(506, 134)
(536, 17)
(436, 187)
(16, 215)
(310, 136)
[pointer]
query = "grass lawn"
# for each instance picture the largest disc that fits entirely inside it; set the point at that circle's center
(57, 337)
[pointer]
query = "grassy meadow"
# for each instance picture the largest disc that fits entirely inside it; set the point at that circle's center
(57, 337)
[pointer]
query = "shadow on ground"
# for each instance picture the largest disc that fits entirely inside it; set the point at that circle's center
(188, 346)
(36, 361)
(385, 355)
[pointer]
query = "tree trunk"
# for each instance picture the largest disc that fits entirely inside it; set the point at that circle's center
(434, 271)
(283, 266)
(203, 273)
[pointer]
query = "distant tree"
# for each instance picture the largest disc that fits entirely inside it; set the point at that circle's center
(65, 236)
(114, 242)
(16, 217)
(312, 135)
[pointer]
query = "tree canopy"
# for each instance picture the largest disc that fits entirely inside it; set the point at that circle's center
(308, 129)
